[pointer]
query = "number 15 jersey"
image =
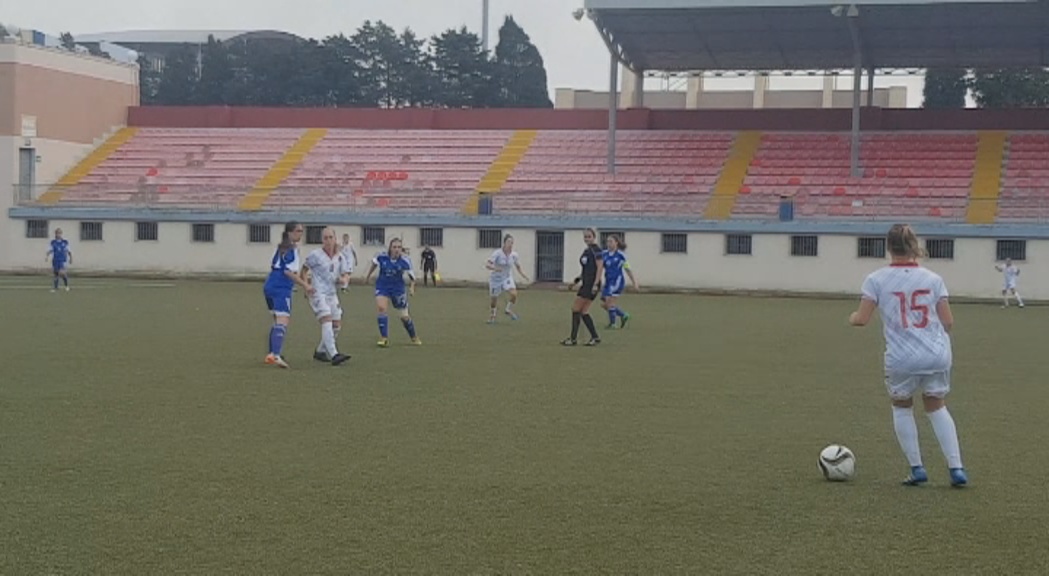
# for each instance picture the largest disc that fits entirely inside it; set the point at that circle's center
(915, 340)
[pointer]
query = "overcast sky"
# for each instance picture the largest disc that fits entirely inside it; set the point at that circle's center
(574, 54)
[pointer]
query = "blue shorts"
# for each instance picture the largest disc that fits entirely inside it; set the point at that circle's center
(58, 266)
(278, 304)
(613, 289)
(397, 298)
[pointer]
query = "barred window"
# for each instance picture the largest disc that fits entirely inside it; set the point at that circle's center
(674, 243)
(36, 228)
(606, 233)
(90, 231)
(1015, 249)
(940, 248)
(870, 247)
(314, 234)
(489, 238)
(804, 245)
(259, 233)
(146, 231)
(432, 237)
(373, 236)
(203, 232)
(739, 244)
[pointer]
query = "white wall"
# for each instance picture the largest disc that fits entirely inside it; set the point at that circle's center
(837, 269)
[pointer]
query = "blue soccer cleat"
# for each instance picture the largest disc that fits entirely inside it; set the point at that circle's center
(917, 476)
(958, 477)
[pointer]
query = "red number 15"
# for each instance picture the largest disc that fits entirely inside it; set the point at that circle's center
(922, 309)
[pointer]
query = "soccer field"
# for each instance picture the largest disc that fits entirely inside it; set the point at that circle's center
(140, 433)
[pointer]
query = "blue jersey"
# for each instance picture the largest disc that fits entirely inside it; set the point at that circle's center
(390, 281)
(278, 283)
(59, 251)
(615, 272)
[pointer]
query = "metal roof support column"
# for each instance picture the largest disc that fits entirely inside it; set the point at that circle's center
(613, 108)
(857, 82)
(870, 86)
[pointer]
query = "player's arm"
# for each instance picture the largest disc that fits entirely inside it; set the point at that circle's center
(998, 267)
(630, 274)
(411, 279)
(48, 255)
(943, 310)
(296, 272)
(862, 315)
(600, 273)
(517, 265)
(69, 257)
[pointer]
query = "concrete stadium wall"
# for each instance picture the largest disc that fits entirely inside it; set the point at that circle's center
(706, 266)
(809, 120)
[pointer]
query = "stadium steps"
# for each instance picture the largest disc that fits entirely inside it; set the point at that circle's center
(85, 166)
(987, 178)
(281, 169)
(733, 173)
(502, 167)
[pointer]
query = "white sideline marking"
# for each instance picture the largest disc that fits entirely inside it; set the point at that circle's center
(76, 287)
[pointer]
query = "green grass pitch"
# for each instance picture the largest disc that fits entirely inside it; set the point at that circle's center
(140, 433)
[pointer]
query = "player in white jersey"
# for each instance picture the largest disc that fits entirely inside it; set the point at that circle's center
(917, 321)
(501, 265)
(329, 269)
(1010, 272)
(350, 254)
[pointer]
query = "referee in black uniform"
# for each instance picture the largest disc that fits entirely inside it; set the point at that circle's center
(589, 282)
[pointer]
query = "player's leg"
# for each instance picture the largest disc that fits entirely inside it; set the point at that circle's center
(382, 303)
(577, 318)
(1005, 298)
(934, 389)
(1019, 300)
(511, 292)
(901, 390)
(64, 272)
(280, 308)
(494, 290)
(54, 279)
(401, 304)
(588, 321)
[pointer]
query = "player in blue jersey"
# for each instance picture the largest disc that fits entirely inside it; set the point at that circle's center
(283, 277)
(393, 265)
(616, 267)
(61, 256)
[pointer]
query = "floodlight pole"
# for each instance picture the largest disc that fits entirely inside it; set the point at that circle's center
(613, 109)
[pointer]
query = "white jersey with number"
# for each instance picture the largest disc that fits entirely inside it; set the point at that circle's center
(351, 260)
(326, 270)
(504, 267)
(1010, 273)
(915, 340)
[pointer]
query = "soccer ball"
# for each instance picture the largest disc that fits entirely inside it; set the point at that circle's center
(837, 463)
(436, 277)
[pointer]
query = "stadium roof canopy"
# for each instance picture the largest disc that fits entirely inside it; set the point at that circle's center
(147, 37)
(689, 35)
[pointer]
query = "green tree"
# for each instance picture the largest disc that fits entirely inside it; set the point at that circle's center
(945, 88)
(464, 72)
(1011, 87)
(519, 69)
(3, 32)
(379, 53)
(417, 81)
(67, 41)
(339, 66)
(148, 81)
(216, 71)
(178, 79)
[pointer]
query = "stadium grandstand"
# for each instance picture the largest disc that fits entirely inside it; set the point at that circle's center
(695, 189)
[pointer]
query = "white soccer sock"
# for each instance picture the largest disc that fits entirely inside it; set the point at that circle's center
(1005, 298)
(1019, 300)
(509, 305)
(947, 434)
(328, 339)
(493, 312)
(907, 434)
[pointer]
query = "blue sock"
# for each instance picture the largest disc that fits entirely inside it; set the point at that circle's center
(611, 315)
(619, 312)
(54, 284)
(277, 333)
(409, 326)
(384, 326)
(65, 279)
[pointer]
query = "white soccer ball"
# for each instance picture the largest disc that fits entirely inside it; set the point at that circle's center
(837, 463)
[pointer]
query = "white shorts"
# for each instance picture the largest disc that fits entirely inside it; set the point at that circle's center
(1010, 286)
(326, 305)
(496, 287)
(903, 386)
